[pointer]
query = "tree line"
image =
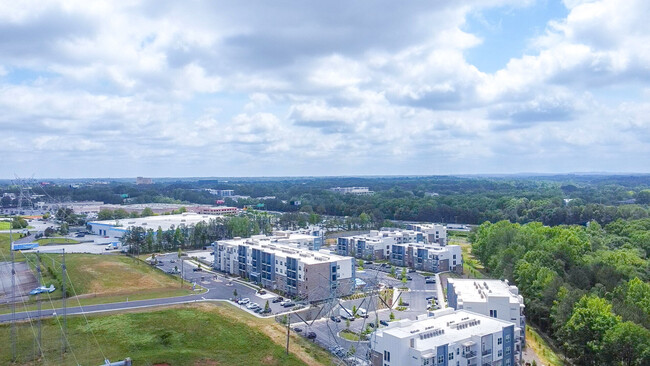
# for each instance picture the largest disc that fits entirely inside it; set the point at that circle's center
(586, 286)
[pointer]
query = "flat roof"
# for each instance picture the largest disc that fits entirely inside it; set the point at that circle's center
(478, 290)
(443, 327)
(153, 222)
(283, 249)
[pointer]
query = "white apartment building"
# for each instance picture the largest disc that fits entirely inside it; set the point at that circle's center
(493, 298)
(428, 257)
(375, 245)
(431, 233)
(445, 337)
(294, 271)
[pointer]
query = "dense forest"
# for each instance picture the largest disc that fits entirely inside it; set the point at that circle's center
(552, 200)
(586, 286)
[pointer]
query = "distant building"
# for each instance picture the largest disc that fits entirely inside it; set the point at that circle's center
(221, 192)
(405, 248)
(142, 180)
(352, 190)
(117, 228)
(296, 272)
(213, 210)
(494, 298)
(431, 233)
(444, 338)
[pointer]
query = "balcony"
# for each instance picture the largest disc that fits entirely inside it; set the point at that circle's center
(470, 354)
(487, 352)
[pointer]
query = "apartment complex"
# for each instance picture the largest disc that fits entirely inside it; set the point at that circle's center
(445, 337)
(493, 298)
(427, 257)
(278, 264)
(376, 245)
(361, 191)
(406, 248)
(431, 233)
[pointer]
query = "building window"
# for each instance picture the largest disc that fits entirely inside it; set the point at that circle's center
(508, 351)
(499, 341)
(441, 359)
(386, 356)
(493, 314)
(507, 338)
(500, 353)
(451, 356)
(507, 362)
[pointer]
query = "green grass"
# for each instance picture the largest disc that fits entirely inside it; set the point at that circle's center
(99, 279)
(48, 241)
(351, 336)
(186, 335)
(541, 348)
(472, 268)
(5, 225)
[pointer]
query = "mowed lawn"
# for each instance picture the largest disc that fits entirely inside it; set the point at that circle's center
(5, 225)
(106, 275)
(96, 279)
(202, 334)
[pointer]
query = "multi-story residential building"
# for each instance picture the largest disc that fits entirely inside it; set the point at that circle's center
(427, 257)
(493, 298)
(286, 267)
(375, 245)
(444, 338)
(431, 233)
(406, 248)
(352, 190)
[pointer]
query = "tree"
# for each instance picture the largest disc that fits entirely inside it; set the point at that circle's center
(392, 271)
(628, 344)
(643, 197)
(49, 231)
(347, 323)
(105, 215)
(391, 316)
(583, 334)
(404, 276)
(354, 310)
(234, 294)
(147, 212)
(267, 307)
(63, 229)
(46, 215)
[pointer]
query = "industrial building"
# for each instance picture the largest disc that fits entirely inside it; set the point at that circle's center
(444, 338)
(117, 228)
(493, 298)
(278, 264)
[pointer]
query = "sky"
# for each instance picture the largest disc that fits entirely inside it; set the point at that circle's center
(300, 88)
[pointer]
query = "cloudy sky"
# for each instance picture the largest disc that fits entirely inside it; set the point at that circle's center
(271, 88)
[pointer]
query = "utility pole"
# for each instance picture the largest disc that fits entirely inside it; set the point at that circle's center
(65, 309)
(288, 329)
(38, 301)
(13, 297)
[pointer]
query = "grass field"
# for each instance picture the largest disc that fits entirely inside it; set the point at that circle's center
(471, 266)
(5, 225)
(98, 279)
(203, 334)
(542, 348)
(47, 241)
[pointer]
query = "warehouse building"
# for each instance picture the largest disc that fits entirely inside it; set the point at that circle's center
(117, 228)
(444, 338)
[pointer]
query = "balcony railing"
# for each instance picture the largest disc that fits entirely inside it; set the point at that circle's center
(469, 354)
(487, 352)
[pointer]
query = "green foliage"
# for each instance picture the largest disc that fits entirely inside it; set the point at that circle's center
(584, 332)
(628, 344)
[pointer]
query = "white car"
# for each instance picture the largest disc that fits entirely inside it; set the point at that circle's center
(252, 306)
(244, 301)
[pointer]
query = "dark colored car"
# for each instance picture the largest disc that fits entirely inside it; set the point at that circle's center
(383, 322)
(311, 335)
(335, 319)
(197, 269)
(297, 330)
(277, 299)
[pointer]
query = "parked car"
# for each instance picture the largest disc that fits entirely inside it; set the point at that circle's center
(252, 305)
(261, 292)
(41, 290)
(172, 261)
(244, 301)
(297, 330)
(266, 311)
(311, 335)
(288, 305)
(335, 319)
(371, 325)
(277, 299)
(429, 298)
(383, 322)
(197, 269)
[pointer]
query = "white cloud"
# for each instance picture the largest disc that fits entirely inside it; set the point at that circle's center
(318, 88)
